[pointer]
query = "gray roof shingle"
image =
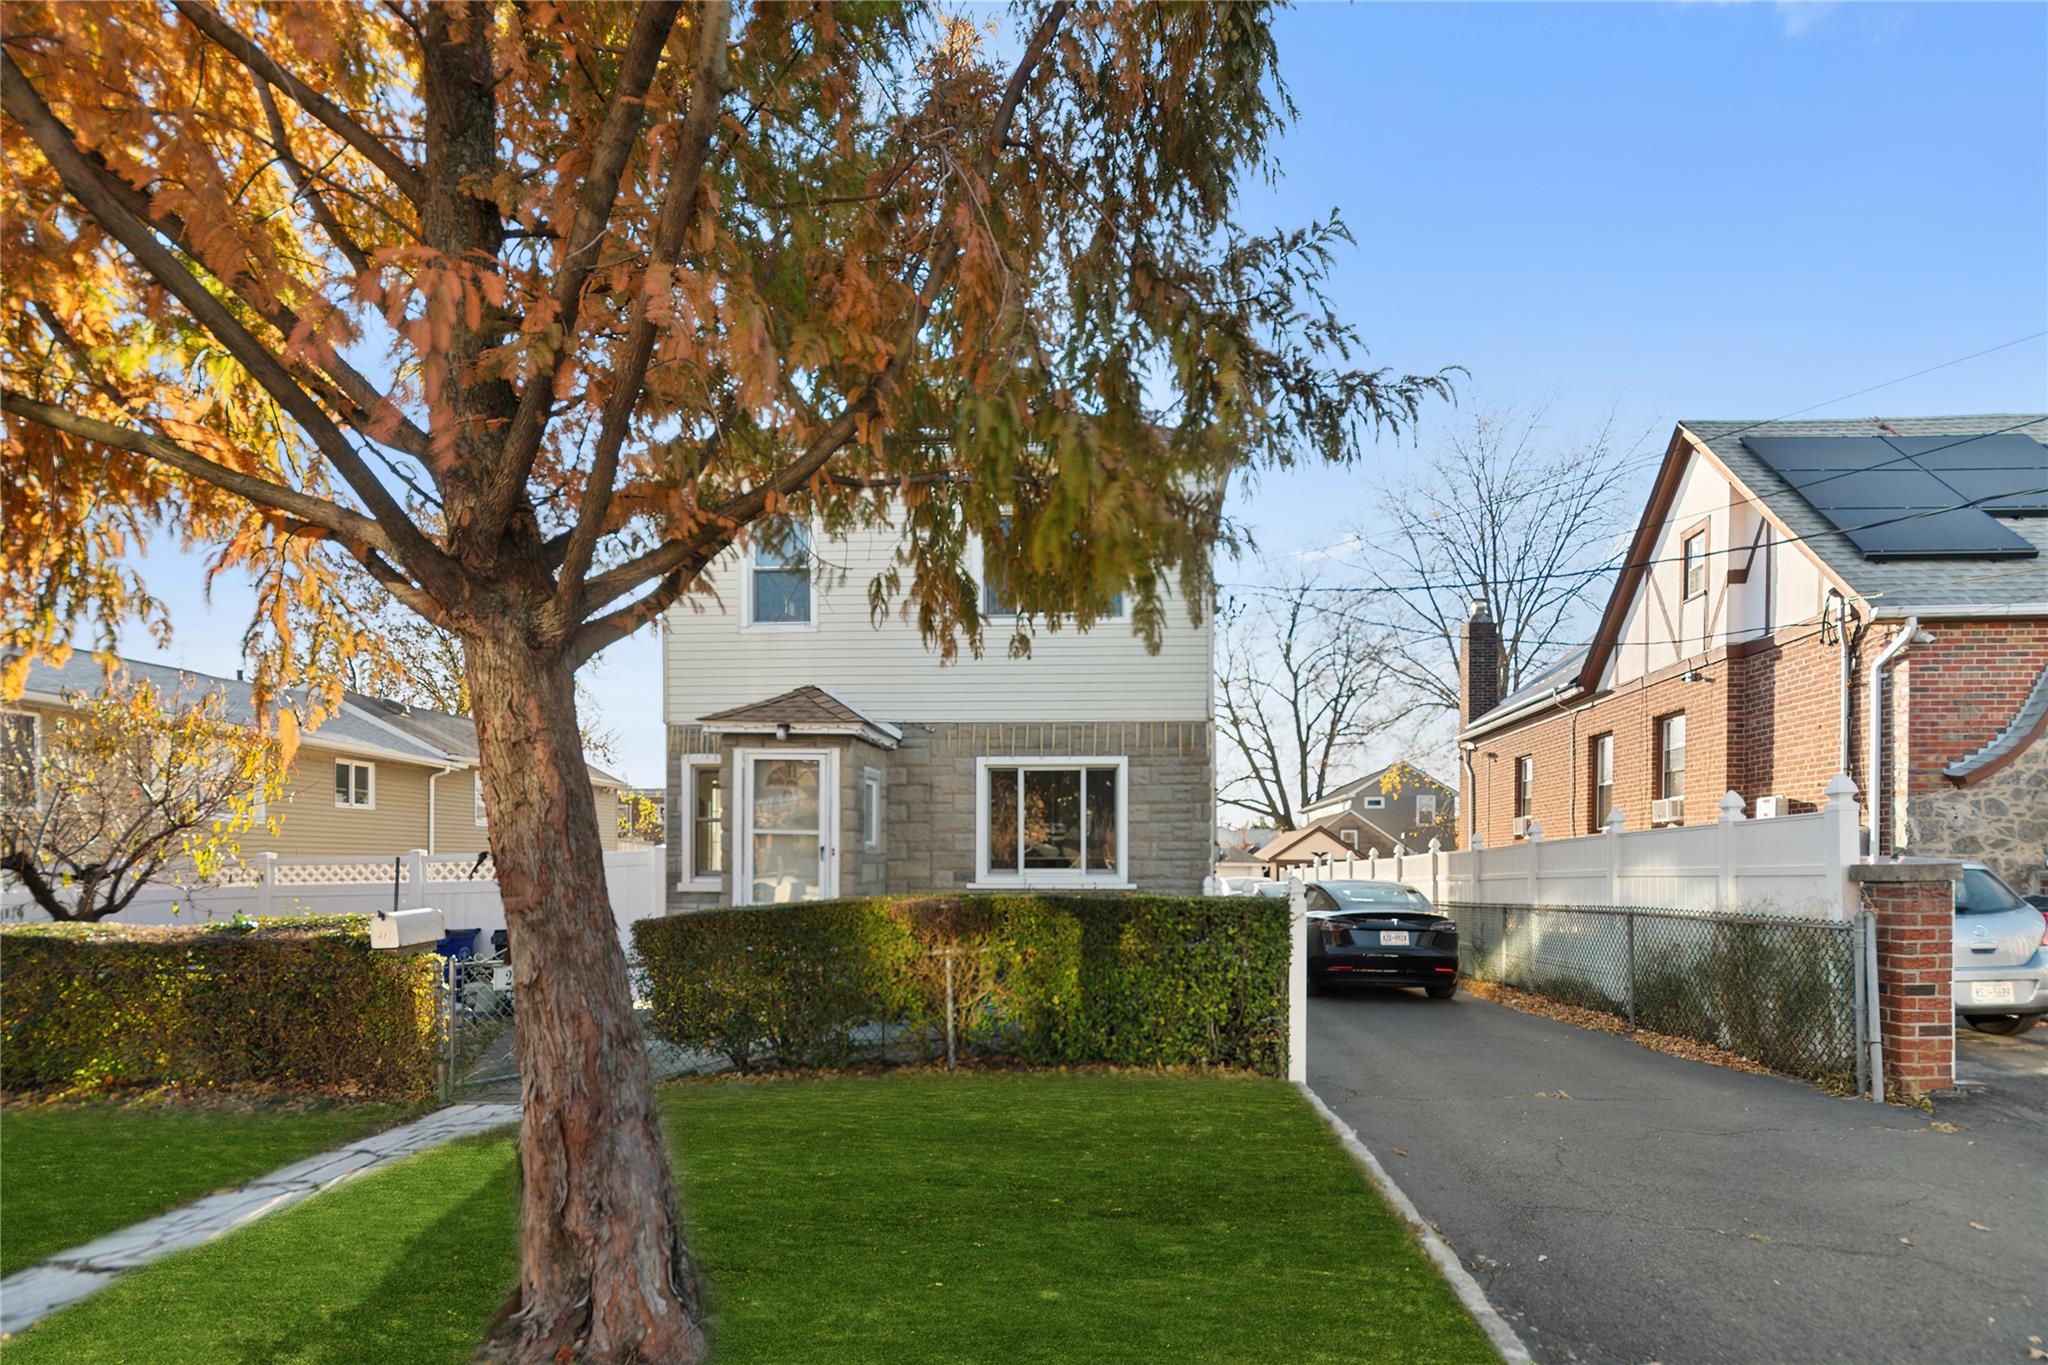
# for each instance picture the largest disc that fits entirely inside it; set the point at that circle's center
(1896, 587)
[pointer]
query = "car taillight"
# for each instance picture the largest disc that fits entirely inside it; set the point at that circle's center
(1446, 926)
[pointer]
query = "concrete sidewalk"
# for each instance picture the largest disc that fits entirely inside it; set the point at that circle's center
(1624, 1206)
(30, 1294)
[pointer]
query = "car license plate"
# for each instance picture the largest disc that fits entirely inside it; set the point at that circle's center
(1991, 992)
(1398, 938)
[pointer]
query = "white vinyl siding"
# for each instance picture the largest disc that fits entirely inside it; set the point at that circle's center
(885, 668)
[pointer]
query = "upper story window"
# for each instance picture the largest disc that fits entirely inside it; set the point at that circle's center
(996, 601)
(355, 785)
(778, 582)
(1425, 807)
(1694, 556)
(1603, 780)
(19, 736)
(1350, 837)
(1052, 820)
(1525, 785)
(1375, 802)
(1671, 756)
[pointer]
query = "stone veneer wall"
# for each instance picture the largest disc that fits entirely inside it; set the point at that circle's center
(928, 783)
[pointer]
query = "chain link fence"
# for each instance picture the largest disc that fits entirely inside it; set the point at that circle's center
(1782, 991)
(481, 1045)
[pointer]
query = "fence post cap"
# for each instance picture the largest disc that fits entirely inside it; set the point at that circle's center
(1617, 823)
(1400, 849)
(1841, 786)
(1436, 845)
(1731, 806)
(1535, 831)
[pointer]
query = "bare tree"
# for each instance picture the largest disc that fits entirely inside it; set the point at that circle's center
(1301, 690)
(119, 786)
(1504, 514)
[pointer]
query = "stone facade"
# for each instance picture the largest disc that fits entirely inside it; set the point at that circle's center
(930, 815)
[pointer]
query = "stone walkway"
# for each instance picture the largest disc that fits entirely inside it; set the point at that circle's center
(69, 1276)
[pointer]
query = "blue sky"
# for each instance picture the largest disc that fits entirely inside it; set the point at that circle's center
(1668, 211)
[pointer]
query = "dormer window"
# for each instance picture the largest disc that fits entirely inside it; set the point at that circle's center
(778, 582)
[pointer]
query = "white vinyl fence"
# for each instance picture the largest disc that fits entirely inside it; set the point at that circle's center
(1788, 865)
(465, 893)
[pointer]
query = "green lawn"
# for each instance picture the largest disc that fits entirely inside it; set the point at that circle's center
(70, 1173)
(913, 1217)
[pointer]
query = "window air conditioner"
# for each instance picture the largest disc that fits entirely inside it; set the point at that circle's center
(1522, 823)
(1771, 807)
(1668, 811)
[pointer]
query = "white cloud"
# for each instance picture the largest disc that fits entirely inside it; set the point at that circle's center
(1800, 15)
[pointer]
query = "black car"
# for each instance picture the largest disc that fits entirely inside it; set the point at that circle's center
(1380, 934)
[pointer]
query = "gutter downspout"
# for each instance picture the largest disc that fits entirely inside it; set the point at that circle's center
(1848, 683)
(1472, 806)
(1898, 646)
(433, 804)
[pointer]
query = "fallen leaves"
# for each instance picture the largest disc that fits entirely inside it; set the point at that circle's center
(1607, 1023)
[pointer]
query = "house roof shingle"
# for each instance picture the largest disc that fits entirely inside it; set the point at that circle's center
(1895, 587)
(806, 709)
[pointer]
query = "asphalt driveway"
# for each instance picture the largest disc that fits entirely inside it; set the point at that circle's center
(1619, 1205)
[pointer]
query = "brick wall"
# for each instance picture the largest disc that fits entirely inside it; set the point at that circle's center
(1914, 905)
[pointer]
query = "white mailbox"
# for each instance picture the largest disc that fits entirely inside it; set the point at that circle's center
(406, 928)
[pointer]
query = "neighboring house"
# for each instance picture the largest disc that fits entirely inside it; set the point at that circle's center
(1237, 850)
(1304, 847)
(376, 778)
(1778, 570)
(816, 749)
(1399, 803)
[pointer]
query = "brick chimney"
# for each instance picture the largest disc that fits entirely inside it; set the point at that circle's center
(1478, 665)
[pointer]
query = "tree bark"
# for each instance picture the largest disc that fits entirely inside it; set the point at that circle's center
(604, 1272)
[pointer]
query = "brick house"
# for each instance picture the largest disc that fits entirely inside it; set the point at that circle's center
(818, 748)
(1787, 583)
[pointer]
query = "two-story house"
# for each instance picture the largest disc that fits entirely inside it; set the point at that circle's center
(816, 750)
(377, 778)
(1801, 599)
(1398, 804)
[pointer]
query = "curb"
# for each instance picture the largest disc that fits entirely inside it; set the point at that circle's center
(1504, 1339)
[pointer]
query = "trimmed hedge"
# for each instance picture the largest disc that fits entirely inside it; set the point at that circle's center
(1048, 979)
(284, 1004)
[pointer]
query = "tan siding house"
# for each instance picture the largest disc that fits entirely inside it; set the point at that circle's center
(377, 779)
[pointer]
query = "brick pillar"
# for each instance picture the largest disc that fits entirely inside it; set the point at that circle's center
(1914, 905)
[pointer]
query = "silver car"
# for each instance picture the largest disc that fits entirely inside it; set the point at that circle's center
(2001, 955)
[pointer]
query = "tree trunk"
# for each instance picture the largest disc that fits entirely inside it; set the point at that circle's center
(604, 1274)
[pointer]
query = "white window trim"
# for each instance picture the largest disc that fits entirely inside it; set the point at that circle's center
(1422, 811)
(1350, 837)
(686, 797)
(370, 804)
(1119, 880)
(871, 813)
(1375, 803)
(978, 565)
(482, 817)
(740, 805)
(747, 622)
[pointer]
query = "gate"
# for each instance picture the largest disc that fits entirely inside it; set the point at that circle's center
(479, 1026)
(1790, 992)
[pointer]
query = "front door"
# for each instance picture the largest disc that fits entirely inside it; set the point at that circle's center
(788, 819)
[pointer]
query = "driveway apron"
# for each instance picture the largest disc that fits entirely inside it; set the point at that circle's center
(1621, 1205)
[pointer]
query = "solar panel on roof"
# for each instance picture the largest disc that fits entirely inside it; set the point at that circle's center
(1916, 497)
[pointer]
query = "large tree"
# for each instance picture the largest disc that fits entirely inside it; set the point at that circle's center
(1302, 692)
(529, 311)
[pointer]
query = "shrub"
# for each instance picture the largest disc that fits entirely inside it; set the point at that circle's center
(293, 1004)
(1048, 979)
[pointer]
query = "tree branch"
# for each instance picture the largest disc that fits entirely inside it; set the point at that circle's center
(405, 176)
(678, 207)
(107, 207)
(611, 148)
